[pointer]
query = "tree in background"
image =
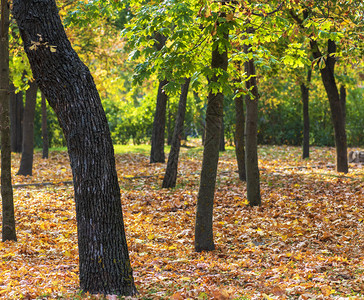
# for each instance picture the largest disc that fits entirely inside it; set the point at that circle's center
(251, 128)
(16, 117)
(331, 30)
(26, 162)
(170, 176)
(240, 136)
(66, 82)
(159, 124)
(8, 218)
(45, 137)
(305, 90)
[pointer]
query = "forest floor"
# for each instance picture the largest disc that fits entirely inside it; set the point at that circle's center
(306, 241)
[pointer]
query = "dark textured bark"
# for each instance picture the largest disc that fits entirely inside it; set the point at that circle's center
(170, 176)
(251, 130)
(26, 162)
(16, 118)
(44, 128)
(8, 218)
(159, 124)
(306, 119)
(104, 264)
(222, 136)
(205, 200)
(239, 137)
(337, 115)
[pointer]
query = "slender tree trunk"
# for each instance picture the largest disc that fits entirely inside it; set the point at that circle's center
(104, 264)
(306, 119)
(170, 176)
(337, 115)
(26, 163)
(251, 146)
(222, 136)
(214, 113)
(16, 119)
(159, 124)
(239, 137)
(44, 128)
(8, 218)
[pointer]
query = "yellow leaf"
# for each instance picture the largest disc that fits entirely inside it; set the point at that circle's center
(151, 236)
(230, 16)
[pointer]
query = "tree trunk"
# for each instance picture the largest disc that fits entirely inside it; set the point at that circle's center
(170, 176)
(169, 125)
(16, 119)
(26, 163)
(343, 101)
(306, 119)
(44, 128)
(159, 124)
(337, 115)
(104, 264)
(8, 219)
(251, 147)
(222, 136)
(214, 113)
(239, 137)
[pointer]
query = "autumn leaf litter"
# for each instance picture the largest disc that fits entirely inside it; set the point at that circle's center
(304, 242)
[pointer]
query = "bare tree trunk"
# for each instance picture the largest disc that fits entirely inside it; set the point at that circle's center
(26, 163)
(104, 264)
(306, 119)
(337, 114)
(8, 218)
(170, 176)
(44, 128)
(251, 130)
(16, 119)
(214, 113)
(159, 124)
(239, 137)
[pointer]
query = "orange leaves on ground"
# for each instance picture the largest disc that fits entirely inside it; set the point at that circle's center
(305, 242)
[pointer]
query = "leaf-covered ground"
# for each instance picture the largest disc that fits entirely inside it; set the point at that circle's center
(305, 242)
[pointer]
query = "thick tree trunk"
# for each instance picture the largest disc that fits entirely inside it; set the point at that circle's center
(222, 136)
(306, 119)
(170, 176)
(26, 163)
(343, 101)
(214, 113)
(337, 115)
(104, 264)
(251, 130)
(44, 128)
(159, 124)
(16, 119)
(8, 219)
(239, 137)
